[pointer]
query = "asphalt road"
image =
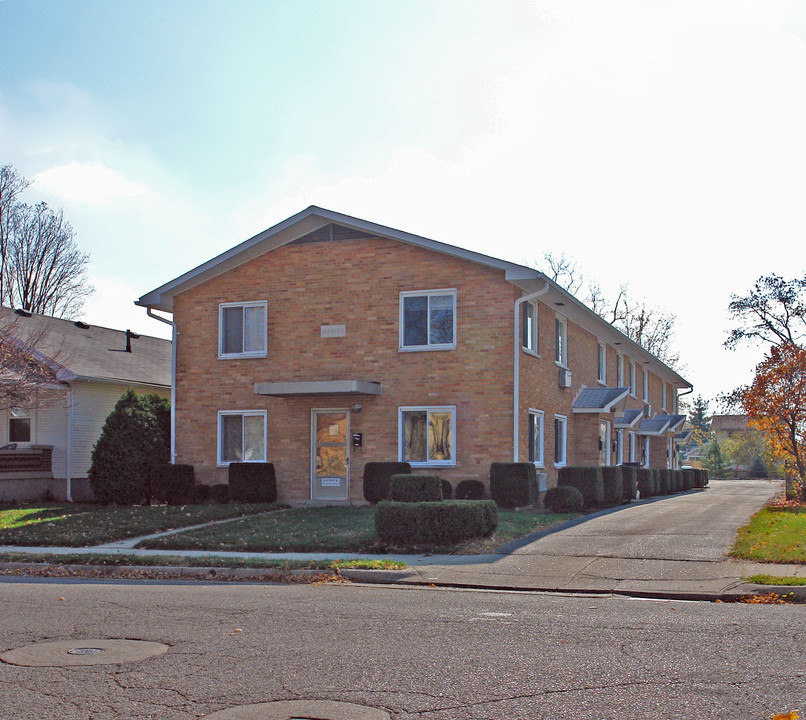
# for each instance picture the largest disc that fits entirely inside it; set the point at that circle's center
(425, 653)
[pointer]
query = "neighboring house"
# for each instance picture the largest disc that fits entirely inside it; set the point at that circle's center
(328, 341)
(47, 447)
(726, 426)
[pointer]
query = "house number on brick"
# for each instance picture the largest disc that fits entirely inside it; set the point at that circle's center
(329, 331)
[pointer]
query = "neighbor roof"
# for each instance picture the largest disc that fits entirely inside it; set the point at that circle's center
(314, 218)
(88, 352)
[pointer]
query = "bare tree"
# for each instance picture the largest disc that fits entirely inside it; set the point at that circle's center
(563, 271)
(25, 373)
(41, 268)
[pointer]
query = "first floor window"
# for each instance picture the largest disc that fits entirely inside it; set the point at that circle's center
(242, 329)
(428, 320)
(427, 436)
(536, 437)
(604, 442)
(241, 436)
(645, 452)
(619, 447)
(560, 426)
(19, 426)
(632, 447)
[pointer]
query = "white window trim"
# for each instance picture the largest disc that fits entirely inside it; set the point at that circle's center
(619, 371)
(601, 363)
(535, 350)
(401, 323)
(427, 409)
(540, 459)
(562, 361)
(633, 380)
(645, 389)
(250, 413)
(252, 353)
(31, 417)
(564, 461)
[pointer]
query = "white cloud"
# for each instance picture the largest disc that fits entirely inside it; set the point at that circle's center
(92, 183)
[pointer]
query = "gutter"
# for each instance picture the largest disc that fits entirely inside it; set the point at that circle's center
(516, 373)
(174, 334)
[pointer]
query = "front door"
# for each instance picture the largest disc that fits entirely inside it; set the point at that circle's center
(330, 455)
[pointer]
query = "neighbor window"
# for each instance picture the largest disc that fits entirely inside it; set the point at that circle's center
(561, 332)
(241, 436)
(529, 329)
(19, 426)
(560, 425)
(242, 329)
(601, 362)
(536, 437)
(428, 320)
(427, 436)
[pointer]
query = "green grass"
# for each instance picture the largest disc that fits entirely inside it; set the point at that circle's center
(73, 525)
(775, 580)
(334, 529)
(777, 536)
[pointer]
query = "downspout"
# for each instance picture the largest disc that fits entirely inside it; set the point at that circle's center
(516, 373)
(174, 333)
(69, 473)
(677, 398)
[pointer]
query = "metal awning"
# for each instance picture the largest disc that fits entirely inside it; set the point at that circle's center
(675, 421)
(318, 387)
(653, 426)
(600, 400)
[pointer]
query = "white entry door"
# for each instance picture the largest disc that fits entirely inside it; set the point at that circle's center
(330, 455)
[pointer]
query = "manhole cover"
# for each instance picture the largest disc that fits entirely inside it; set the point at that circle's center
(301, 710)
(73, 653)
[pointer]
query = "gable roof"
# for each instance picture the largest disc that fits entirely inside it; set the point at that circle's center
(88, 352)
(314, 219)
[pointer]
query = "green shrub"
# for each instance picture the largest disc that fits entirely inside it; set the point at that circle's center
(513, 484)
(219, 493)
(588, 480)
(172, 483)
(470, 490)
(199, 494)
(252, 482)
(613, 485)
(415, 488)
(447, 490)
(434, 523)
(646, 482)
(136, 436)
(688, 479)
(674, 481)
(664, 481)
(705, 478)
(629, 481)
(376, 479)
(563, 499)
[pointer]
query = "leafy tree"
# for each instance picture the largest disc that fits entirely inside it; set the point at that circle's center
(700, 422)
(776, 404)
(743, 448)
(713, 459)
(41, 268)
(136, 437)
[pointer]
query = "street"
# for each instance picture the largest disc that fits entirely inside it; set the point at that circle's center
(429, 653)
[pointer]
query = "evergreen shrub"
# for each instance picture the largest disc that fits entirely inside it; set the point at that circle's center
(199, 494)
(646, 482)
(563, 499)
(470, 490)
(377, 476)
(629, 481)
(664, 481)
(415, 488)
(674, 481)
(252, 482)
(434, 523)
(136, 436)
(613, 485)
(513, 484)
(172, 483)
(447, 490)
(688, 479)
(219, 493)
(588, 480)
(705, 477)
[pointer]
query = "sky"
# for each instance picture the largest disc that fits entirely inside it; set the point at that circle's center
(660, 144)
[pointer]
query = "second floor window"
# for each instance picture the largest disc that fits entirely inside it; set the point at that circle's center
(601, 363)
(529, 329)
(561, 330)
(242, 329)
(428, 320)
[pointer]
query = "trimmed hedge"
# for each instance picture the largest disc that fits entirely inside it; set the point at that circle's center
(513, 484)
(588, 480)
(688, 479)
(629, 480)
(219, 493)
(674, 481)
(613, 484)
(705, 478)
(199, 494)
(563, 499)
(377, 476)
(415, 488)
(700, 477)
(470, 490)
(252, 482)
(434, 523)
(447, 490)
(664, 481)
(172, 483)
(646, 482)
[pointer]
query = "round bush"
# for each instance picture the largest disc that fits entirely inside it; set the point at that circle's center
(447, 490)
(199, 494)
(220, 493)
(470, 490)
(563, 499)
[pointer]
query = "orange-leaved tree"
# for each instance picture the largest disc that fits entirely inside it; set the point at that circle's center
(776, 404)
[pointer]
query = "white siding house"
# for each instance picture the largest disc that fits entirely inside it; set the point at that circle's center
(46, 450)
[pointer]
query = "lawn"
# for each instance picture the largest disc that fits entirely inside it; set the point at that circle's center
(78, 525)
(772, 535)
(333, 529)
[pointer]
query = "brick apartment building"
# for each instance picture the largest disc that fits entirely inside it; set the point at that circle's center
(328, 341)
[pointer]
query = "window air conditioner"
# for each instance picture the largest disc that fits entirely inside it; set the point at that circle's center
(565, 378)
